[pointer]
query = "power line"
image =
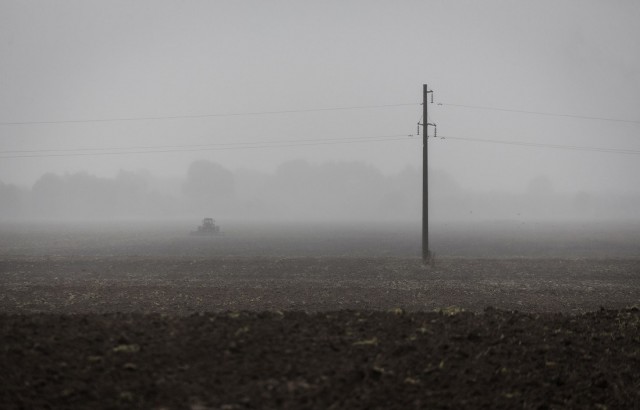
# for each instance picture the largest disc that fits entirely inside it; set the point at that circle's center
(221, 144)
(359, 107)
(550, 114)
(238, 114)
(155, 149)
(226, 147)
(541, 145)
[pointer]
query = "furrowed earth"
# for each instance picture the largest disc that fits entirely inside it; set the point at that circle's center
(537, 317)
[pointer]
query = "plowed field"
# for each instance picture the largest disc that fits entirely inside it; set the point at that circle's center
(218, 324)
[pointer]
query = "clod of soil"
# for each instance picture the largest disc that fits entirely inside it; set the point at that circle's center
(339, 359)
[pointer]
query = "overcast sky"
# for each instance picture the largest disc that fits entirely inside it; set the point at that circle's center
(84, 60)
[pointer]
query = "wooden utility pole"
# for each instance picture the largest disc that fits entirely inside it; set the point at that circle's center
(426, 253)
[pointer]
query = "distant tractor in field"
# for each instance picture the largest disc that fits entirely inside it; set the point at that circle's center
(208, 227)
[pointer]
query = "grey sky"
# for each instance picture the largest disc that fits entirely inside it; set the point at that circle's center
(76, 60)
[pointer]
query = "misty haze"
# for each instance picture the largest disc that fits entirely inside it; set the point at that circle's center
(299, 191)
(340, 204)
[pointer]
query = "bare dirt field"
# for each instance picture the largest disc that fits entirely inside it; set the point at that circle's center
(319, 317)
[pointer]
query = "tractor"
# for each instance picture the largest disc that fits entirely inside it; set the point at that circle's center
(208, 227)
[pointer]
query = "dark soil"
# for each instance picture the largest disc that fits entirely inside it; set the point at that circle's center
(341, 359)
(184, 285)
(120, 318)
(369, 337)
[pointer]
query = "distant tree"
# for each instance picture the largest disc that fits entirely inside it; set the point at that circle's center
(49, 195)
(295, 176)
(75, 195)
(329, 190)
(13, 201)
(209, 184)
(131, 191)
(82, 195)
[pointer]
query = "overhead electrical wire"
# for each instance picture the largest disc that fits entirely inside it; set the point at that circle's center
(155, 149)
(542, 145)
(549, 114)
(237, 114)
(241, 143)
(309, 110)
(222, 147)
(289, 142)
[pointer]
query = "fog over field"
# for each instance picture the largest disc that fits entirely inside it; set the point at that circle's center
(299, 191)
(308, 111)
(306, 130)
(299, 119)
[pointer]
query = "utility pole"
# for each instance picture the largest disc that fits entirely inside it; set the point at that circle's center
(426, 253)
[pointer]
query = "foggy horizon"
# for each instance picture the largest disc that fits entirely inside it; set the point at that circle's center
(521, 90)
(300, 190)
(221, 204)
